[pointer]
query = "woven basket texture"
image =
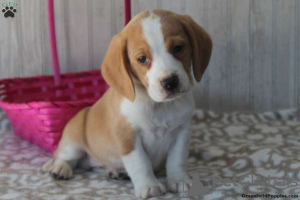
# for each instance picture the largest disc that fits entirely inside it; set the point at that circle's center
(38, 110)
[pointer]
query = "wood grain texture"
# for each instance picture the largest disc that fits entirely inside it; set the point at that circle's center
(284, 54)
(78, 32)
(173, 5)
(10, 38)
(30, 38)
(261, 64)
(297, 52)
(255, 64)
(46, 53)
(100, 31)
(117, 15)
(140, 5)
(219, 70)
(238, 58)
(62, 32)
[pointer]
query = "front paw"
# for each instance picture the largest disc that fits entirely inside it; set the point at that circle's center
(149, 191)
(58, 169)
(179, 185)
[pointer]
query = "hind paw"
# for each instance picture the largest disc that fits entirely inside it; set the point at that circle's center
(118, 175)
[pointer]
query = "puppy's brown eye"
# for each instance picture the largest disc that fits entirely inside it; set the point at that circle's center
(142, 59)
(177, 49)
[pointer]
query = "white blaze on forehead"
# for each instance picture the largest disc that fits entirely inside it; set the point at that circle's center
(163, 63)
(153, 33)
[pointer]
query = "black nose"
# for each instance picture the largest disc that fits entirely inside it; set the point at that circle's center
(170, 83)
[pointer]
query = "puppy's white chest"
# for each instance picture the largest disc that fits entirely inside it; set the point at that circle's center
(157, 145)
(158, 125)
(155, 121)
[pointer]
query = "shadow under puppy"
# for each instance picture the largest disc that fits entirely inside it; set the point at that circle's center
(141, 124)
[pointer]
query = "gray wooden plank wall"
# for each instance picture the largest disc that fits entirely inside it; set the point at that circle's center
(255, 63)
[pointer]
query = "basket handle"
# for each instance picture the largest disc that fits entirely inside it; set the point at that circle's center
(55, 63)
(127, 11)
(51, 21)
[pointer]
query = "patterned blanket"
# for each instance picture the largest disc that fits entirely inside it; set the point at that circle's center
(232, 156)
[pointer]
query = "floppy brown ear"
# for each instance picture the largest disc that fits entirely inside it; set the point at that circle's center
(201, 44)
(115, 68)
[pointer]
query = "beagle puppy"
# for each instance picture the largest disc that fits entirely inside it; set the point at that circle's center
(141, 124)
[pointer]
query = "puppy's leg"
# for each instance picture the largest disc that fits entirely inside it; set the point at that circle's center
(139, 169)
(64, 159)
(69, 150)
(177, 177)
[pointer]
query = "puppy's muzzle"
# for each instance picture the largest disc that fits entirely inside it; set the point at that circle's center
(171, 83)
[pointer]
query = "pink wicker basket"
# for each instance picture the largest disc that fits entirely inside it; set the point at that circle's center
(39, 107)
(38, 110)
